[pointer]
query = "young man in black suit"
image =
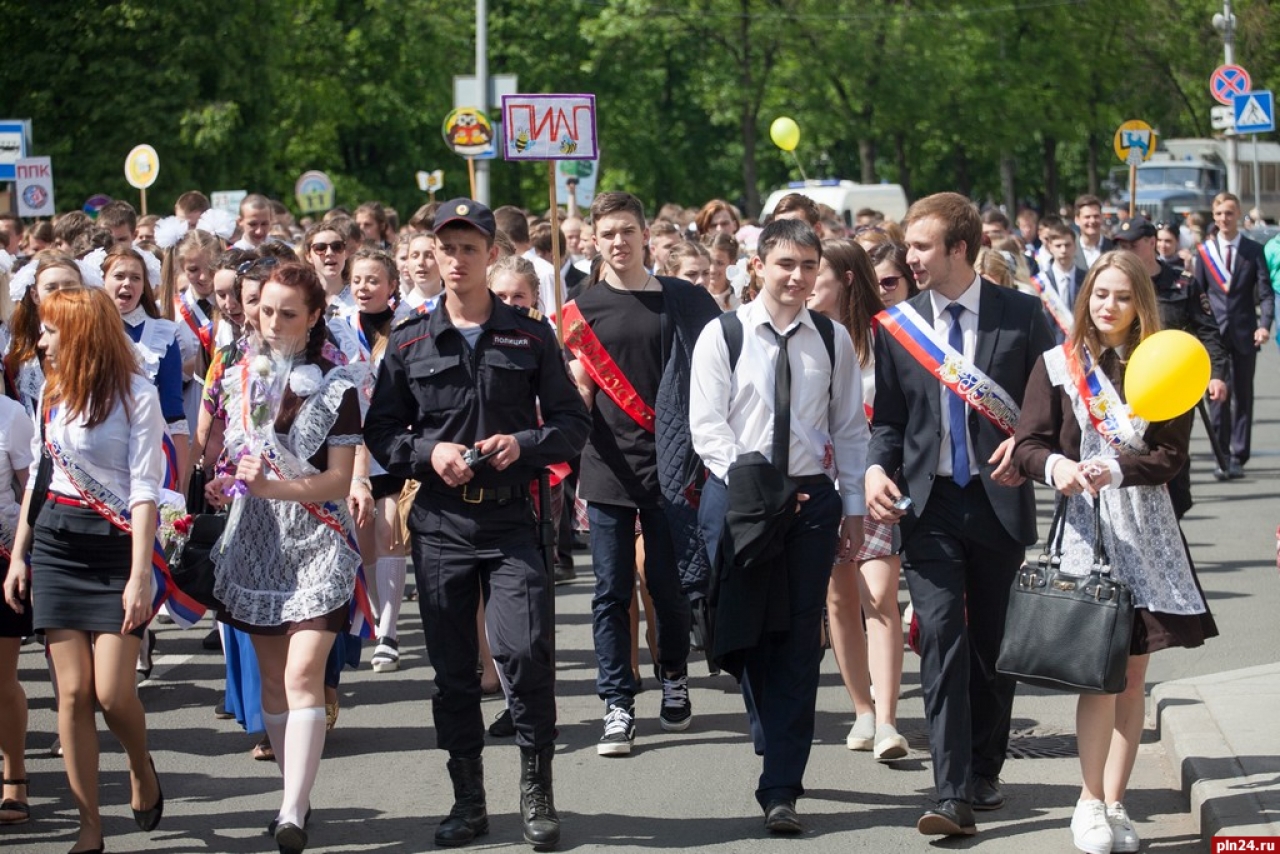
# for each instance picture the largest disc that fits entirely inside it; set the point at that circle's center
(1232, 270)
(972, 517)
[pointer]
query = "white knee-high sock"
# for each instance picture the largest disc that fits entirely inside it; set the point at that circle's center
(275, 725)
(304, 736)
(390, 572)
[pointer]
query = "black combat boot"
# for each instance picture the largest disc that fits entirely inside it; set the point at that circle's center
(537, 803)
(468, 818)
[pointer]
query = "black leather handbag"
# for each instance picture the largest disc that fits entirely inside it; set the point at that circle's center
(1068, 632)
(191, 563)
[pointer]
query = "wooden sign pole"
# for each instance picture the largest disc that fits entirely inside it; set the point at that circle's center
(555, 247)
(471, 173)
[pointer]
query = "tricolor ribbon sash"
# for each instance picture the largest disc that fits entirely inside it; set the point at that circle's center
(195, 318)
(186, 611)
(1107, 412)
(952, 369)
(1220, 277)
(1053, 303)
(363, 624)
(583, 343)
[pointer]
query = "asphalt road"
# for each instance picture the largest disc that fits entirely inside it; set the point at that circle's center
(382, 788)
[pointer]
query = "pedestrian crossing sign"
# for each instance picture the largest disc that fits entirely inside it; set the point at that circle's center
(1255, 112)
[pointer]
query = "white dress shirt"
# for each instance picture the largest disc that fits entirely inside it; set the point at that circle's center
(969, 329)
(124, 453)
(732, 413)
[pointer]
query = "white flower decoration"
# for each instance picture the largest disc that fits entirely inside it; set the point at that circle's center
(219, 222)
(6, 262)
(304, 380)
(91, 268)
(261, 365)
(170, 230)
(22, 281)
(152, 263)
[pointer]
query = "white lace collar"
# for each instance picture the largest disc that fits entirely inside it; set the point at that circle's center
(135, 317)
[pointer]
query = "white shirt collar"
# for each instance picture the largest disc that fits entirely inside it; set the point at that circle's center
(755, 314)
(969, 299)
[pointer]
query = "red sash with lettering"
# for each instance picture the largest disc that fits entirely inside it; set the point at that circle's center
(583, 343)
(203, 331)
(1219, 276)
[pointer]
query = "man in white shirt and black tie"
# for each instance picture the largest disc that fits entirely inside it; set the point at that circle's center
(795, 395)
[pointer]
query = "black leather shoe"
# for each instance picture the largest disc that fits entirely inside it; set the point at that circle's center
(149, 819)
(780, 818)
(290, 838)
(275, 822)
(949, 818)
(1235, 470)
(987, 794)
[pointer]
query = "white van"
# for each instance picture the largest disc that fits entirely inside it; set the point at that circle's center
(846, 198)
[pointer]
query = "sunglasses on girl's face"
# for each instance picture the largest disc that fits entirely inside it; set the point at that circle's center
(890, 283)
(257, 264)
(335, 247)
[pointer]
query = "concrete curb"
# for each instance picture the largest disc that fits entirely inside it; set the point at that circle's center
(1220, 735)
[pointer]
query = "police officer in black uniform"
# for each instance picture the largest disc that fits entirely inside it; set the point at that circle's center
(1183, 305)
(456, 406)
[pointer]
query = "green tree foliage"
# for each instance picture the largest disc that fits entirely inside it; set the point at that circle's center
(1006, 100)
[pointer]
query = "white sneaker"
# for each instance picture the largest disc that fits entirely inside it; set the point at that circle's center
(863, 734)
(890, 745)
(1124, 837)
(1090, 829)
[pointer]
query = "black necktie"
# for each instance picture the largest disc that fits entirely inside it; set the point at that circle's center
(782, 402)
(204, 306)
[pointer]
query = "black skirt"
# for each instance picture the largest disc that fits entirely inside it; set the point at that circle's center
(14, 625)
(80, 564)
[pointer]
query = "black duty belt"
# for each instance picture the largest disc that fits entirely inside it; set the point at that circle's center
(476, 494)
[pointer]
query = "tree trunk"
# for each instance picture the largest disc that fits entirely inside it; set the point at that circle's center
(964, 182)
(1049, 201)
(867, 148)
(750, 112)
(1008, 176)
(1093, 163)
(904, 165)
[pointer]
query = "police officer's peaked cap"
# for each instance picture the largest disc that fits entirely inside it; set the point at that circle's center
(468, 212)
(1137, 228)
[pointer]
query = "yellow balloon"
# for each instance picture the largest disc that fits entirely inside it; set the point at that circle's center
(1167, 374)
(785, 133)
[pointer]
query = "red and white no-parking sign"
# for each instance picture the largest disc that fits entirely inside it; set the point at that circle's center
(1227, 81)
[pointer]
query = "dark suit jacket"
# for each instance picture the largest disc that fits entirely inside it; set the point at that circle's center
(906, 430)
(1249, 302)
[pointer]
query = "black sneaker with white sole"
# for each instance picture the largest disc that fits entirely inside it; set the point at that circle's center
(677, 711)
(619, 729)
(386, 657)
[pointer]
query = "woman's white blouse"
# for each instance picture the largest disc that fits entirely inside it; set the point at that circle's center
(15, 453)
(124, 453)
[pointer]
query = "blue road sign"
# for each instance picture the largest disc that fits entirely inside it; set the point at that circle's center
(1255, 112)
(14, 138)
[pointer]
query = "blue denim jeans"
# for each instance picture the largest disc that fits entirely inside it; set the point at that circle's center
(613, 555)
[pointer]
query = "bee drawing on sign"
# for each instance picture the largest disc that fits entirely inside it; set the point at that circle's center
(523, 141)
(568, 146)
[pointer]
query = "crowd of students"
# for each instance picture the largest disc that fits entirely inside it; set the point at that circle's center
(250, 352)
